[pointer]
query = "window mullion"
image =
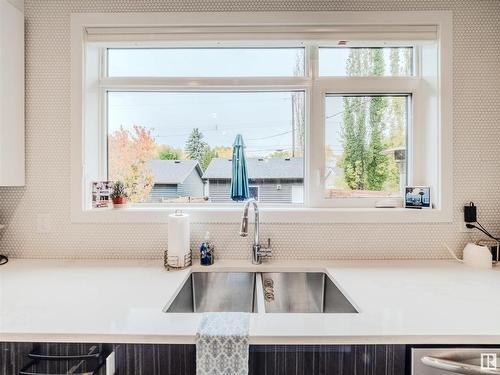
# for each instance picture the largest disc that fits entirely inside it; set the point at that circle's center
(190, 84)
(367, 85)
(103, 134)
(316, 147)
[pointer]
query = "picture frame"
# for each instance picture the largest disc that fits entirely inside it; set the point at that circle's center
(101, 191)
(417, 197)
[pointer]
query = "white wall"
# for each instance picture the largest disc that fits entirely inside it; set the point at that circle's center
(476, 138)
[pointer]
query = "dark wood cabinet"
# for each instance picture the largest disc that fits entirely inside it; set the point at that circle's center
(149, 359)
(327, 359)
(13, 356)
(157, 359)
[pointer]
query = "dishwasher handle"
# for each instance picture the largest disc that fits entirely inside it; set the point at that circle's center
(457, 367)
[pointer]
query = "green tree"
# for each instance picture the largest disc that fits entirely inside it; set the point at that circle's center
(354, 142)
(377, 164)
(364, 161)
(196, 147)
(353, 131)
(208, 155)
(169, 153)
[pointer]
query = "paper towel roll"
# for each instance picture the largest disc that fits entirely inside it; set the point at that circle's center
(178, 238)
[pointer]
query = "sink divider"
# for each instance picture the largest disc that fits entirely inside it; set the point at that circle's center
(259, 294)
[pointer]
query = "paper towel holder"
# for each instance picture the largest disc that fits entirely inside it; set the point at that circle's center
(173, 262)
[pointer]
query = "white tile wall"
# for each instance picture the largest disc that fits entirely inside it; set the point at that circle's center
(476, 145)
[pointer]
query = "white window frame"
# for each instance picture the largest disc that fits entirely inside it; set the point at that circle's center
(179, 28)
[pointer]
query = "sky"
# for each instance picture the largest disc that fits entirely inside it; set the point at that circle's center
(264, 119)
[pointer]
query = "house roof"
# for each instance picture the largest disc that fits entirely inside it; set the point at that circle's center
(172, 171)
(272, 168)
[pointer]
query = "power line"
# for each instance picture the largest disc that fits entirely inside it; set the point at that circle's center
(341, 112)
(224, 129)
(270, 136)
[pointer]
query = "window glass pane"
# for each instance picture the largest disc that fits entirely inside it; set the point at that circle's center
(176, 147)
(206, 62)
(355, 62)
(365, 145)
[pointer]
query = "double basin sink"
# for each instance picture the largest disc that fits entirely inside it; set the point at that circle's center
(269, 292)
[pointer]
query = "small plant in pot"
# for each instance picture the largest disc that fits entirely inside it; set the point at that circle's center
(119, 196)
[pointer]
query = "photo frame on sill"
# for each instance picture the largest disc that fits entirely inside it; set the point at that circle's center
(101, 191)
(417, 197)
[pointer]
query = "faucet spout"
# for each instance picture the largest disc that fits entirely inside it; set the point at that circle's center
(244, 227)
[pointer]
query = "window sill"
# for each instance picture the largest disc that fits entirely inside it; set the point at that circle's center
(278, 215)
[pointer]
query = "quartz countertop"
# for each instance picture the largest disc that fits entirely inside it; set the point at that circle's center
(431, 302)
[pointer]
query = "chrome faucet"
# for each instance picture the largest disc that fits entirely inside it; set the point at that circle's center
(258, 251)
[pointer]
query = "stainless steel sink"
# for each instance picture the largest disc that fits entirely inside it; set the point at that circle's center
(215, 292)
(303, 292)
(270, 292)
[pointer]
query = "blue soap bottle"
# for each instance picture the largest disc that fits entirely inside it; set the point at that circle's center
(207, 251)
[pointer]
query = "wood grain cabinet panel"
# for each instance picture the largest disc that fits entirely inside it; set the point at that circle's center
(327, 359)
(13, 357)
(149, 359)
(269, 359)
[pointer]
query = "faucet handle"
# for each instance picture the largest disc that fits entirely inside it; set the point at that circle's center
(265, 252)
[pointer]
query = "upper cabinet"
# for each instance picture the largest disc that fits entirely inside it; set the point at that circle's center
(12, 163)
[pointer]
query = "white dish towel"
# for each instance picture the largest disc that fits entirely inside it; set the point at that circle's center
(222, 344)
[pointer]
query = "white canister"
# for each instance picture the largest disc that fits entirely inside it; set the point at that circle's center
(178, 239)
(477, 256)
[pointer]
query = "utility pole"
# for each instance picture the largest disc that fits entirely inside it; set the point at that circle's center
(293, 124)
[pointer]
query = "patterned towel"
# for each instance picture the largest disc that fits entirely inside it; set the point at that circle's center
(222, 344)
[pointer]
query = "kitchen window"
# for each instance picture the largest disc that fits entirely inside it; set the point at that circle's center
(340, 118)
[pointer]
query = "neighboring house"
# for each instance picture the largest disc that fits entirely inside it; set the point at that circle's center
(276, 180)
(174, 179)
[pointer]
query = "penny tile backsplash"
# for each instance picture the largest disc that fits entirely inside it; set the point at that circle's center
(476, 137)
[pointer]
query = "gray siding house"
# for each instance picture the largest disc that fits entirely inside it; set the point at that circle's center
(174, 179)
(273, 180)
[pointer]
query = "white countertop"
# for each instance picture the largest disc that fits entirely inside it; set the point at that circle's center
(121, 301)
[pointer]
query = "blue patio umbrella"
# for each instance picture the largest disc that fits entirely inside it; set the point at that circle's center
(239, 178)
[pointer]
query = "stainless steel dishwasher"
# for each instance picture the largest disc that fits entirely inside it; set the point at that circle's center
(447, 361)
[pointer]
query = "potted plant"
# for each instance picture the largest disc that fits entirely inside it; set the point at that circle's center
(119, 195)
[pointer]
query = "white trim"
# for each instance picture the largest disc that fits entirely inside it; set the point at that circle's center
(207, 84)
(280, 215)
(249, 32)
(238, 19)
(389, 25)
(410, 24)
